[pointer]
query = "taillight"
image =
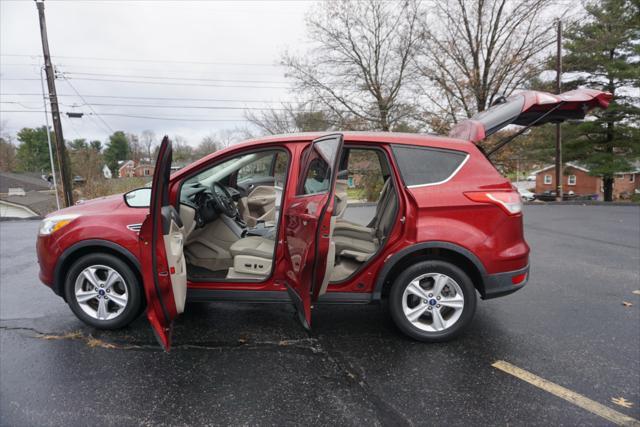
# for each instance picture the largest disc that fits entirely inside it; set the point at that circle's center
(509, 201)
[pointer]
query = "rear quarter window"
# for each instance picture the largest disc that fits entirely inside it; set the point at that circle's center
(426, 166)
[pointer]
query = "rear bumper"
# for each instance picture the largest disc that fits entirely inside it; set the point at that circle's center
(501, 284)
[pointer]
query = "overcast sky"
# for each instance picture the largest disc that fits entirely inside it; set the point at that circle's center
(196, 54)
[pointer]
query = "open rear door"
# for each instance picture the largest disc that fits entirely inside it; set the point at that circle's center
(308, 223)
(530, 108)
(164, 270)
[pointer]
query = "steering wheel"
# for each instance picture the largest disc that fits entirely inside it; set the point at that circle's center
(223, 202)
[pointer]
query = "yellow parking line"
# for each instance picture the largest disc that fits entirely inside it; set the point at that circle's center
(568, 395)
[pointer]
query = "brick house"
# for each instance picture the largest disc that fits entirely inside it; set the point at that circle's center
(576, 180)
(129, 169)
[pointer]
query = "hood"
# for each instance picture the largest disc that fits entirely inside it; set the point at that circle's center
(100, 205)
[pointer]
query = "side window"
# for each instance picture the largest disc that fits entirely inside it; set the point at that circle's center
(426, 166)
(257, 169)
(317, 177)
(318, 161)
(280, 169)
(365, 177)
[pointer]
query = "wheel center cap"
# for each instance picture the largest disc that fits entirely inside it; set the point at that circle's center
(433, 301)
(101, 292)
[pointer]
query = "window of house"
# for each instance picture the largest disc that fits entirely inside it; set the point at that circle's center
(547, 179)
(572, 180)
(632, 177)
(427, 166)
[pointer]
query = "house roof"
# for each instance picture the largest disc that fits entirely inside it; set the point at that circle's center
(40, 202)
(573, 165)
(27, 181)
(635, 168)
(128, 163)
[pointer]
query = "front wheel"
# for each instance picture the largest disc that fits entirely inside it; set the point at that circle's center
(432, 301)
(103, 291)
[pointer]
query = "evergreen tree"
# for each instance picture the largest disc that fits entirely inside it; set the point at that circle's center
(117, 149)
(32, 154)
(603, 53)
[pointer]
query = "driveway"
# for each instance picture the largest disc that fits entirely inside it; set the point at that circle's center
(253, 364)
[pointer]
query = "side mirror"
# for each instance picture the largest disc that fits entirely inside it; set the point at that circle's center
(138, 198)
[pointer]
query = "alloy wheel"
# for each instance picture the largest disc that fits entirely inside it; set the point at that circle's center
(433, 302)
(101, 292)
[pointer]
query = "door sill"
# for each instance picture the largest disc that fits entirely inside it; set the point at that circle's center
(267, 297)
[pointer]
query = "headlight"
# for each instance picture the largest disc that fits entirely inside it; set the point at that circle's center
(55, 223)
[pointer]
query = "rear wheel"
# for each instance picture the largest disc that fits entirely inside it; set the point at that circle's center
(432, 301)
(103, 291)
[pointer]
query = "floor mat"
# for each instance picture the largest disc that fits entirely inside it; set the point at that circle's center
(195, 272)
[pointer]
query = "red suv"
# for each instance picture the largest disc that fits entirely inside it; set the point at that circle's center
(273, 220)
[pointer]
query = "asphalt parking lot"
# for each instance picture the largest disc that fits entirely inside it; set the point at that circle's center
(253, 364)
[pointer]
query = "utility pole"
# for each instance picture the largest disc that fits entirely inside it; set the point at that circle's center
(61, 150)
(559, 166)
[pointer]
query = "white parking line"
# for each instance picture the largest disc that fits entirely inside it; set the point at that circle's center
(568, 395)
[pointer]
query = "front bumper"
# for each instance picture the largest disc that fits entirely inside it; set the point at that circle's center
(501, 284)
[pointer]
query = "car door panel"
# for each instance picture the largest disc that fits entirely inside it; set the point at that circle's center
(308, 226)
(163, 264)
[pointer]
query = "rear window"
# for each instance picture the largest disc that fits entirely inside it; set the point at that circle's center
(500, 115)
(426, 166)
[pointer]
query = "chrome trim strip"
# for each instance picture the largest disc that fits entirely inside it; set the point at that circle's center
(454, 173)
(134, 227)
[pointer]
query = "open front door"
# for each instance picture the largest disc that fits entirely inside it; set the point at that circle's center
(530, 108)
(164, 271)
(308, 224)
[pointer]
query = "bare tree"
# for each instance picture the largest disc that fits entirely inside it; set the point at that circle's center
(135, 147)
(208, 145)
(304, 117)
(475, 51)
(360, 69)
(182, 151)
(148, 141)
(227, 137)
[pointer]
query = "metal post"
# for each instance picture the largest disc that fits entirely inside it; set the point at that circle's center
(559, 165)
(46, 120)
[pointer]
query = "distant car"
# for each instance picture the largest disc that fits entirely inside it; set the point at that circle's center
(263, 222)
(526, 195)
(531, 177)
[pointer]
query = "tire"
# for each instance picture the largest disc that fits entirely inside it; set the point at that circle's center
(99, 297)
(413, 309)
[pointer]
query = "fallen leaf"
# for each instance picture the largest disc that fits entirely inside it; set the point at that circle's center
(95, 342)
(636, 292)
(68, 336)
(621, 401)
(627, 303)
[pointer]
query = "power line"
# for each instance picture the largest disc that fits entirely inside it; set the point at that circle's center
(88, 105)
(137, 76)
(165, 61)
(154, 98)
(184, 119)
(170, 83)
(195, 107)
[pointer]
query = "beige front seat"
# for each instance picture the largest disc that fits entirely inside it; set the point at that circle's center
(252, 258)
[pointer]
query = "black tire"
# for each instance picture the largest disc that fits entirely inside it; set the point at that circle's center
(421, 268)
(134, 303)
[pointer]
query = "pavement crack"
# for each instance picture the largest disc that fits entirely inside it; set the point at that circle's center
(386, 413)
